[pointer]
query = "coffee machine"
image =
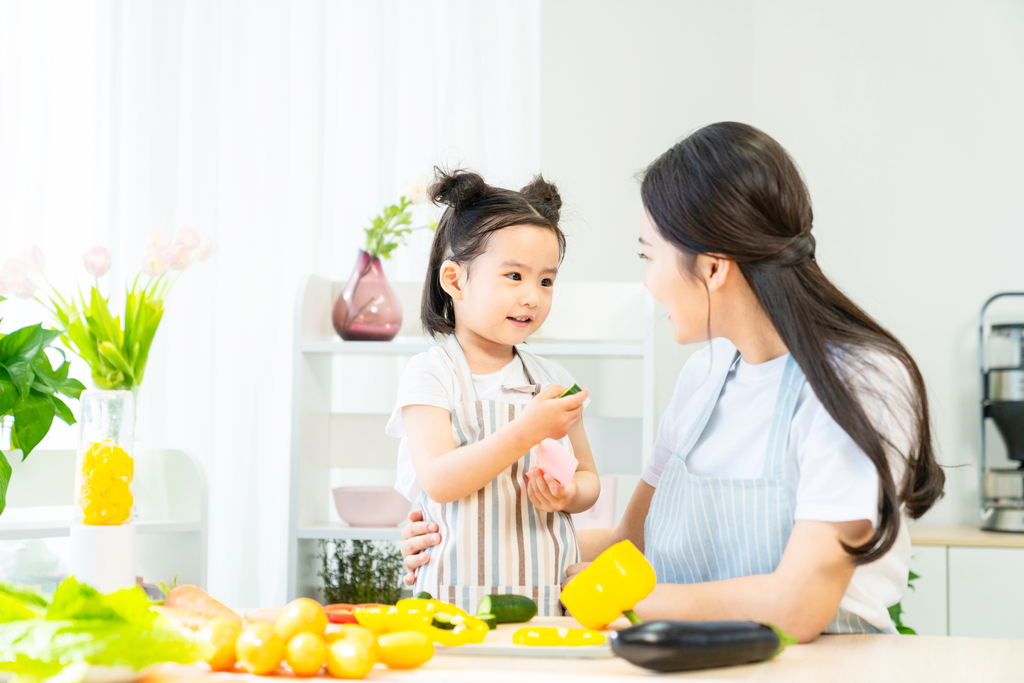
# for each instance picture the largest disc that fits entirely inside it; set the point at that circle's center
(1001, 358)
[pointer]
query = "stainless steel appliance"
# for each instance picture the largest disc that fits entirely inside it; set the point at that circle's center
(1001, 359)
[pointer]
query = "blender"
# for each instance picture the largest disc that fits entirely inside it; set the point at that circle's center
(1001, 358)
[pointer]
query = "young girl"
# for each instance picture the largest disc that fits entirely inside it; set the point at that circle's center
(796, 440)
(470, 409)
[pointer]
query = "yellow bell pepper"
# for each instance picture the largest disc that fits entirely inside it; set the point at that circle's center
(375, 618)
(613, 584)
(557, 637)
(417, 615)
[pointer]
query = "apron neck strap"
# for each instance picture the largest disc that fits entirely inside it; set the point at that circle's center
(785, 406)
(463, 374)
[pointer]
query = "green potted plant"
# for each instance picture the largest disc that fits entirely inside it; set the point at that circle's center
(359, 572)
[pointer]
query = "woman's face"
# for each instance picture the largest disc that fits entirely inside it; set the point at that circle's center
(684, 295)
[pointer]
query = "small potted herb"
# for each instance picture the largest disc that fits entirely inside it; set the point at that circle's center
(359, 572)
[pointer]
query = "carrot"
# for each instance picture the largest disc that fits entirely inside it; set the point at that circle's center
(193, 607)
(267, 615)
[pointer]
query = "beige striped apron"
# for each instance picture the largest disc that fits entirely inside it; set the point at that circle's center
(495, 541)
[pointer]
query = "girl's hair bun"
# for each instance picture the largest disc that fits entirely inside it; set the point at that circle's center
(540, 190)
(456, 188)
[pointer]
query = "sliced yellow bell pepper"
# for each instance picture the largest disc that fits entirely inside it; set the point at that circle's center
(557, 637)
(375, 618)
(417, 615)
(612, 585)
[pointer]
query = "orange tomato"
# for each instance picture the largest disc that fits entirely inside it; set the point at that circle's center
(305, 654)
(259, 650)
(221, 634)
(352, 654)
(302, 615)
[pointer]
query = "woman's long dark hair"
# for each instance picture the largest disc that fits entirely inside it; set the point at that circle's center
(729, 189)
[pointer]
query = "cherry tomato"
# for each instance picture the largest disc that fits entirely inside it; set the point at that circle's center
(259, 650)
(405, 649)
(352, 654)
(222, 634)
(302, 615)
(305, 654)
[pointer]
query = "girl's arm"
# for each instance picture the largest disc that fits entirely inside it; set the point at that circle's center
(447, 473)
(550, 496)
(800, 597)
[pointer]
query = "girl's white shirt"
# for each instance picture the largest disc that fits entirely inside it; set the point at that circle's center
(429, 379)
(828, 476)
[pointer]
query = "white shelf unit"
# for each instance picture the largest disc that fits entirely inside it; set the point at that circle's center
(343, 392)
(170, 500)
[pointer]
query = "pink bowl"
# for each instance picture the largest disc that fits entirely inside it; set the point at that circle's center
(370, 505)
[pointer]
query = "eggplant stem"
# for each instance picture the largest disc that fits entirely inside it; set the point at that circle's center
(633, 618)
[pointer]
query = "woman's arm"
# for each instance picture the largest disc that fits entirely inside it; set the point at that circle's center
(593, 542)
(448, 473)
(801, 596)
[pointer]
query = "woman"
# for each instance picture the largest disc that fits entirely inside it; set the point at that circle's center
(795, 439)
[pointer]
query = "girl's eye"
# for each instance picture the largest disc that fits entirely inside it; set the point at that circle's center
(514, 276)
(642, 255)
(546, 282)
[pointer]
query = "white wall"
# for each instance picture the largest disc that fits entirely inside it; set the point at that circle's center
(905, 118)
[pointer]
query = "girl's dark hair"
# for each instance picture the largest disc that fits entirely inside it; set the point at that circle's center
(729, 189)
(474, 211)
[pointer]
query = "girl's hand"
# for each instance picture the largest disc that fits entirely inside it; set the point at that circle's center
(572, 570)
(550, 417)
(546, 493)
(416, 538)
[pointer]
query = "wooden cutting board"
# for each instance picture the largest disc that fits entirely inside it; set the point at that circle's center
(499, 643)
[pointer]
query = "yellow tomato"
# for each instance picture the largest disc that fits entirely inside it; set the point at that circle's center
(405, 649)
(305, 654)
(356, 631)
(301, 616)
(259, 649)
(352, 655)
(222, 634)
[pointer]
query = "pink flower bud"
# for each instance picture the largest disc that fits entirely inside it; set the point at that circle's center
(33, 258)
(159, 241)
(25, 289)
(180, 257)
(154, 263)
(206, 249)
(187, 239)
(97, 261)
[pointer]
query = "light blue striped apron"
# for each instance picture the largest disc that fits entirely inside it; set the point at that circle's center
(494, 540)
(714, 528)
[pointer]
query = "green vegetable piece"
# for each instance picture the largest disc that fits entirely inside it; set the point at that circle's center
(785, 640)
(444, 621)
(424, 595)
(574, 389)
(492, 621)
(508, 609)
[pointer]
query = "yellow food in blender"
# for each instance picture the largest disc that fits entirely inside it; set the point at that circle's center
(104, 495)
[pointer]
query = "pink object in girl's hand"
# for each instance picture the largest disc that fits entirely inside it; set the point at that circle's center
(556, 461)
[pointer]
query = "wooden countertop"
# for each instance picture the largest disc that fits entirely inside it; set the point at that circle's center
(837, 659)
(963, 536)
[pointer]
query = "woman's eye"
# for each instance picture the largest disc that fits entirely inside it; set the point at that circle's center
(642, 255)
(514, 276)
(547, 282)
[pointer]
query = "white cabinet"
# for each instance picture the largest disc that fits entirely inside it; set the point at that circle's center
(924, 605)
(971, 583)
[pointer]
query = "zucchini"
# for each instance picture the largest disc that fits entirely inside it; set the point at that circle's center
(508, 609)
(574, 389)
(490, 619)
(444, 621)
(689, 645)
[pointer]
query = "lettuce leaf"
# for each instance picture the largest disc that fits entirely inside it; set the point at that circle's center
(83, 625)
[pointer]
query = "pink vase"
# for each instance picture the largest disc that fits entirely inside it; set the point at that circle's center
(367, 309)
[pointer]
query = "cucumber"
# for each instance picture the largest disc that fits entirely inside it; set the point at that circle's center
(574, 389)
(508, 609)
(687, 645)
(492, 621)
(443, 621)
(424, 595)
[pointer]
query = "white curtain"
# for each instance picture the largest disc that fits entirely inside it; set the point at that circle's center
(277, 127)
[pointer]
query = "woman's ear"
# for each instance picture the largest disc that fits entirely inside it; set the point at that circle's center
(450, 276)
(717, 271)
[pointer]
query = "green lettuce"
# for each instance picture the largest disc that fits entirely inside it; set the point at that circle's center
(83, 626)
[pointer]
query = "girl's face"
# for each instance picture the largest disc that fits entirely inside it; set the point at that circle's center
(505, 294)
(684, 295)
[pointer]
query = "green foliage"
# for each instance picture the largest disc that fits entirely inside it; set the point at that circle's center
(81, 626)
(30, 390)
(116, 353)
(387, 232)
(357, 572)
(896, 611)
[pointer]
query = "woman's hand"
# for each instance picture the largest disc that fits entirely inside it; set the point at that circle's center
(416, 538)
(550, 417)
(546, 494)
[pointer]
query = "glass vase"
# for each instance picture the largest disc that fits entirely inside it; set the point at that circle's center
(105, 465)
(367, 309)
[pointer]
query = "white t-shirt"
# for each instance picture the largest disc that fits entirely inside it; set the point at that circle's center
(828, 476)
(429, 379)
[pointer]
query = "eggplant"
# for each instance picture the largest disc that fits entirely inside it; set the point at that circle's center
(688, 645)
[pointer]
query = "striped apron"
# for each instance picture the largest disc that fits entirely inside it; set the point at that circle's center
(495, 541)
(714, 528)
